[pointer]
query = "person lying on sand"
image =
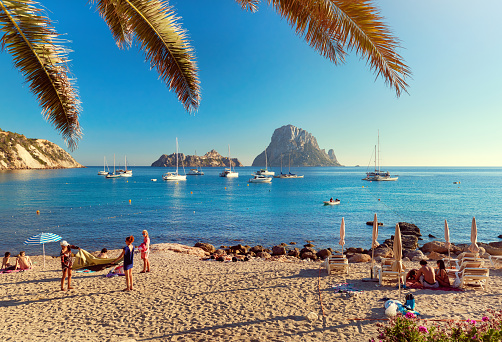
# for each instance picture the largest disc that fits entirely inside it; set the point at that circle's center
(425, 275)
(23, 262)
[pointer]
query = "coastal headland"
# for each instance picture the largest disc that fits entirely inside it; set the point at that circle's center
(186, 298)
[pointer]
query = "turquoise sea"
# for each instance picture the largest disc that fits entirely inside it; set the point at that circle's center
(94, 212)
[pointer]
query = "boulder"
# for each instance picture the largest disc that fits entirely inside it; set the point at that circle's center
(384, 252)
(307, 249)
(309, 245)
(264, 255)
(278, 250)
(294, 253)
(496, 244)
(359, 257)
(269, 251)
(491, 249)
(323, 254)
(355, 250)
(238, 249)
(251, 254)
(407, 241)
(292, 243)
(466, 249)
(436, 256)
(434, 246)
(308, 255)
(415, 255)
(220, 251)
(206, 247)
(256, 249)
(432, 236)
(409, 229)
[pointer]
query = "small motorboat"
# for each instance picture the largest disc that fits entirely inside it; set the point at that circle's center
(153, 179)
(260, 179)
(330, 202)
(370, 223)
(456, 182)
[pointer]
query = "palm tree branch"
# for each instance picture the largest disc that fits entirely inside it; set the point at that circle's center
(114, 16)
(31, 39)
(249, 5)
(165, 45)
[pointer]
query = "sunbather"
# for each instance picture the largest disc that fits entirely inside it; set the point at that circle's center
(23, 262)
(425, 275)
(103, 254)
(441, 275)
(5, 263)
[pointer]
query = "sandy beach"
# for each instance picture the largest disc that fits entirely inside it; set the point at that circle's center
(185, 298)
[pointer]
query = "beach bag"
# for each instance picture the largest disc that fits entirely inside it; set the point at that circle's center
(456, 283)
(410, 302)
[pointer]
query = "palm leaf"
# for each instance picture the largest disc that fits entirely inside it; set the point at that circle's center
(155, 27)
(31, 39)
(335, 26)
(249, 5)
(113, 14)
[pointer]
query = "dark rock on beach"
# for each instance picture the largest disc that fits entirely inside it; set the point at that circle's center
(263, 255)
(500, 236)
(309, 245)
(409, 229)
(432, 236)
(308, 255)
(278, 250)
(256, 249)
(238, 249)
(206, 247)
(220, 252)
(358, 257)
(384, 252)
(323, 254)
(294, 253)
(294, 243)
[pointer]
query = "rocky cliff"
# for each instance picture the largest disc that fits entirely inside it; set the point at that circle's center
(299, 145)
(19, 152)
(210, 159)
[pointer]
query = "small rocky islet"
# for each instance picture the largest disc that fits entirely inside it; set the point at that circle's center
(410, 235)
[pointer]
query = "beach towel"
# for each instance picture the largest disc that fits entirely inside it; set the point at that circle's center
(85, 260)
(413, 285)
(9, 271)
(345, 288)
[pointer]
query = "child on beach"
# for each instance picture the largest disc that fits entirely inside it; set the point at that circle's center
(5, 263)
(145, 252)
(23, 262)
(103, 254)
(128, 254)
(66, 263)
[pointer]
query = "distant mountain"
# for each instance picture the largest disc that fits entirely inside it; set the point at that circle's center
(210, 159)
(19, 152)
(297, 144)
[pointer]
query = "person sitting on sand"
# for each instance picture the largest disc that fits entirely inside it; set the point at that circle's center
(425, 275)
(66, 263)
(441, 275)
(5, 263)
(410, 276)
(23, 262)
(103, 254)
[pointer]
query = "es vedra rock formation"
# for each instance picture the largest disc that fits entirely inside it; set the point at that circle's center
(299, 145)
(210, 159)
(19, 152)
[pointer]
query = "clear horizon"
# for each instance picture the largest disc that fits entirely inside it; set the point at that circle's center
(257, 75)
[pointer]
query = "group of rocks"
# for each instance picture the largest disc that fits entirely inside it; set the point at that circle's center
(410, 235)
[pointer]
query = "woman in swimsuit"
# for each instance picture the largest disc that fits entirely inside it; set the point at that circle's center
(23, 262)
(66, 263)
(146, 252)
(441, 275)
(128, 254)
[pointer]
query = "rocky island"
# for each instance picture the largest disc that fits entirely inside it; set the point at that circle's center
(210, 159)
(299, 145)
(19, 152)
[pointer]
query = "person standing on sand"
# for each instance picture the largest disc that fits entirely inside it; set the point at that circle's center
(23, 262)
(145, 253)
(66, 263)
(128, 254)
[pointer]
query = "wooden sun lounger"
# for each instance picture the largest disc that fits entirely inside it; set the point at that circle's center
(336, 263)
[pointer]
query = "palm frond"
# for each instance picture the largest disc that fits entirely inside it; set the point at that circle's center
(249, 5)
(311, 19)
(334, 26)
(113, 14)
(166, 46)
(38, 54)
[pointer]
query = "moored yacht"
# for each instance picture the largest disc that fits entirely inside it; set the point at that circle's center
(260, 179)
(228, 173)
(377, 175)
(174, 176)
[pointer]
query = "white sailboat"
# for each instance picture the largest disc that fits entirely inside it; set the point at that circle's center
(174, 176)
(378, 175)
(288, 175)
(265, 171)
(196, 171)
(114, 174)
(228, 173)
(126, 172)
(104, 172)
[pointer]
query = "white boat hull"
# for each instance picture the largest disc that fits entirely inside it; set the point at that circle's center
(195, 173)
(126, 174)
(258, 179)
(173, 177)
(265, 173)
(102, 173)
(229, 174)
(111, 175)
(331, 203)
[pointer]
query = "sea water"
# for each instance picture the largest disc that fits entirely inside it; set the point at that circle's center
(94, 212)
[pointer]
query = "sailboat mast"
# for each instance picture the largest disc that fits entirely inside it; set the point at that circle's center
(378, 150)
(266, 163)
(114, 163)
(125, 162)
(176, 155)
(229, 159)
(375, 158)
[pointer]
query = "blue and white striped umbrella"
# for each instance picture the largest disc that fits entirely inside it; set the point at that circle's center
(42, 239)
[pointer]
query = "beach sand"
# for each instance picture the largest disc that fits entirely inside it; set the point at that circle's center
(188, 299)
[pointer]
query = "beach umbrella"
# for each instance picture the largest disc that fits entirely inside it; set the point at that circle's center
(447, 238)
(374, 242)
(42, 239)
(474, 237)
(342, 234)
(397, 265)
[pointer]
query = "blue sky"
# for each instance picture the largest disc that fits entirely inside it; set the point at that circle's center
(257, 75)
